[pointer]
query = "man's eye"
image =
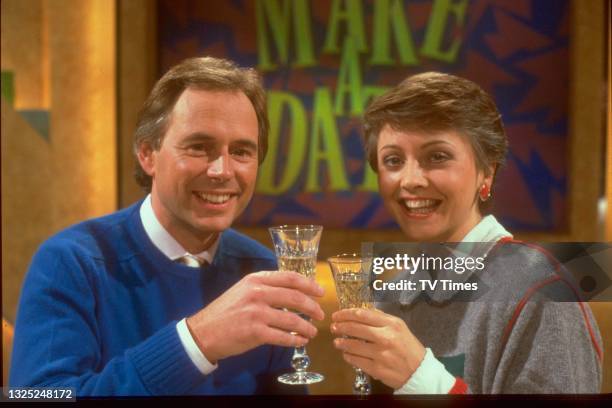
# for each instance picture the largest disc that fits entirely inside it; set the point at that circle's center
(196, 149)
(242, 152)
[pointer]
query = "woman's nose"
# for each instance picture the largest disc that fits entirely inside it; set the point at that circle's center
(413, 176)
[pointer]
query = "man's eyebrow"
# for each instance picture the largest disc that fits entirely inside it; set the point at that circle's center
(199, 136)
(245, 143)
(204, 137)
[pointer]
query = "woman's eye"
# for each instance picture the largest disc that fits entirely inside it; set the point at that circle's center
(439, 157)
(392, 161)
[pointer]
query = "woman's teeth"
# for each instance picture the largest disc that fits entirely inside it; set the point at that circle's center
(421, 206)
(214, 198)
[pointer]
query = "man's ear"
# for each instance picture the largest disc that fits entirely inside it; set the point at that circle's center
(146, 157)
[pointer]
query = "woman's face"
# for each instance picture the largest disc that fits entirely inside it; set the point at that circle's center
(429, 183)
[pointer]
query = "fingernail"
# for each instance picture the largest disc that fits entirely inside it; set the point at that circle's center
(333, 327)
(337, 343)
(320, 290)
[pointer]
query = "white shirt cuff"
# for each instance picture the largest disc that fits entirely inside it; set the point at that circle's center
(192, 349)
(431, 377)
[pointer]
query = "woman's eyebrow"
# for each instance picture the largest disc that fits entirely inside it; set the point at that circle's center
(389, 146)
(435, 142)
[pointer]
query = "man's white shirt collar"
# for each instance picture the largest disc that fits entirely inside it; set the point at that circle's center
(162, 238)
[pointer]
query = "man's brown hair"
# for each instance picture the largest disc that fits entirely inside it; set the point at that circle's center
(206, 73)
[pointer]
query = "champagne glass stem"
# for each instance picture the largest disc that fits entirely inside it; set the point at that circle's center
(362, 385)
(300, 360)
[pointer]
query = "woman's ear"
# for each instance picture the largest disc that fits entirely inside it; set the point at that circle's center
(490, 174)
(146, 157)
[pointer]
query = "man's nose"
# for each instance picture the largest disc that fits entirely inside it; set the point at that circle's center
(219, 168)
(413, 176)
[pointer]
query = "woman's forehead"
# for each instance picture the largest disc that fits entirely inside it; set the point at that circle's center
(390, 134)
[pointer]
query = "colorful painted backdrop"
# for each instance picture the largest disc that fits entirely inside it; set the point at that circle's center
(323, 60)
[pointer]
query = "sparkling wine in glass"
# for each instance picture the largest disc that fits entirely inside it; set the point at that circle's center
(296, 248)
(351, 276)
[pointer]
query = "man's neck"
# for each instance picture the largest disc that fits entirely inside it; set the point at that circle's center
(170, 240)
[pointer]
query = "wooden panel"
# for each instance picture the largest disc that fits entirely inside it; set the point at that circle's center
(137, 71)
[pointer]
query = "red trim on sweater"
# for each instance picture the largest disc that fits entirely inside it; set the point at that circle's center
(460, 387)
(538, 286)
(521, 305)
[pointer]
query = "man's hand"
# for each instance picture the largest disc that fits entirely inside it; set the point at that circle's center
(250, 314)
(383, 346)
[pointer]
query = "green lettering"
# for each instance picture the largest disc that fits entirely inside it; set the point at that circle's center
(352, 13)
(370, 179)
(371, 91)
(278, 19)
(296, 148)
(441, 11)
(349, 80)
(325, 146)
(388, 15)
(303, 35)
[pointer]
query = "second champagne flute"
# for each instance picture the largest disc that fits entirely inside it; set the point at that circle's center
(351, 276)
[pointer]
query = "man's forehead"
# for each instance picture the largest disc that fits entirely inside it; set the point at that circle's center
(212, 97)
(200, 110)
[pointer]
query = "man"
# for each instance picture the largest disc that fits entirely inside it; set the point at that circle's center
(160, 298)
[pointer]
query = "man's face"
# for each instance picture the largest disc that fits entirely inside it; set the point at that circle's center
(204, 173)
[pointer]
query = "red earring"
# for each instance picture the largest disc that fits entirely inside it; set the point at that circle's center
(484, 193)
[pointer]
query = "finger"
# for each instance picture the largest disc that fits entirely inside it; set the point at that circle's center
(355, 329)
(290, 322)
(293, 299)
(291, 280)
(366, 364)
(370, 317)
(357, 347)
(277, 337)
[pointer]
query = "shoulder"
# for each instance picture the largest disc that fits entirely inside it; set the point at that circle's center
(104, 238)
(238, 245)
(522, 264)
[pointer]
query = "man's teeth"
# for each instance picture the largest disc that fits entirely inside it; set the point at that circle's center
(420, 205)
(215, 198)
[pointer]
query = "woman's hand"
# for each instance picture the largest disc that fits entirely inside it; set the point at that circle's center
(383, 346)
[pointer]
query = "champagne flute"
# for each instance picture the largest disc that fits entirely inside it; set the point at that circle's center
(296, 248)
(351, 273)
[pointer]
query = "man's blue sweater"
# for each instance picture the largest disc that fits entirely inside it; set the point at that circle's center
(99, 308)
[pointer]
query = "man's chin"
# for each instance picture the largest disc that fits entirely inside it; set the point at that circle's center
(209, 226)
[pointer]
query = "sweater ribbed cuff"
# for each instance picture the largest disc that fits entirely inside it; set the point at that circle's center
(430, 377)
(163, 365)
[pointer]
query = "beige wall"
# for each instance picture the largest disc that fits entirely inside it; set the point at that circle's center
(137, 72)
(50, 184)
(24, 27)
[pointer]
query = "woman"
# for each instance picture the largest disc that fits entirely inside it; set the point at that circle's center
(436, 142)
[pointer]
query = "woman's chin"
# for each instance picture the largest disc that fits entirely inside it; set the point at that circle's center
(420, 235)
